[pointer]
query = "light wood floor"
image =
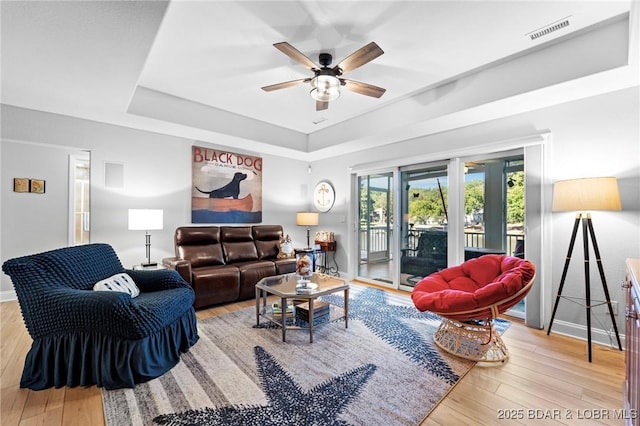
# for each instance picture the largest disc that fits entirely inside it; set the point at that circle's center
(546, 381)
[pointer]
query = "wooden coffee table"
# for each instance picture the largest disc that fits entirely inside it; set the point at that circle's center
(286, 287)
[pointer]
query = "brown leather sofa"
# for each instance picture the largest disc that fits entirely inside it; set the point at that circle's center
(224, 263)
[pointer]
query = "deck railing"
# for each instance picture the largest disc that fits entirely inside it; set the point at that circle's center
(376, 240)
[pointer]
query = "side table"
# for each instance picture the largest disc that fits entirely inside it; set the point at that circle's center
(327, 247)
(138, 267)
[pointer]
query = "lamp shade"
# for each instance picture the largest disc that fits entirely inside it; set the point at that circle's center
(145, 219)
(307, 219)
(600, 193)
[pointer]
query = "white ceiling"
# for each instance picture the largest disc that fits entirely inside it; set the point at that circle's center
(195, 68)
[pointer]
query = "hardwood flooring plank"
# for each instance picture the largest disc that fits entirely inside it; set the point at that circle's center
(50, 418)
(447, 415)
(83, 406)
(16, 355)
(12, 402)
(480, 405)
(41, 402)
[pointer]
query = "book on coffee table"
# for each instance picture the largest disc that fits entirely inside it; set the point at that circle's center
(276, 310)
(320, 309)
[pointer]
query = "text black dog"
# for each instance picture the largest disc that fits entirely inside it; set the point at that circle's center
(232, 189)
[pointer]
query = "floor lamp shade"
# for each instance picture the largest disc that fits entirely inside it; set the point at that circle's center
(146, 220)
(307, 219)
(586, 194)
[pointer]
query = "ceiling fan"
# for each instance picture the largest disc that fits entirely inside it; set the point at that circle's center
(327, 82)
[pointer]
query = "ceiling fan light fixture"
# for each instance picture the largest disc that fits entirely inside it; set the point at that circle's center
(325, 88)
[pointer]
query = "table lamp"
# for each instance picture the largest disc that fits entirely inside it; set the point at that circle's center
(307, 219)
(583, 195)
(146, 220)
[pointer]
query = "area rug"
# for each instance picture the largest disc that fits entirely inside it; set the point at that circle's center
(384, 369)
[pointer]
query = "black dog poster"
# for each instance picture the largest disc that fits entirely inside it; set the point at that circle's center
(226, 187)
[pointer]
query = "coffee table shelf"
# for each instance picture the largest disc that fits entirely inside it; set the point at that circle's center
(286, 287)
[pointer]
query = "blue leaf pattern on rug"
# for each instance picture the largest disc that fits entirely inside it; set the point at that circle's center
(288, 404)
(385, 321)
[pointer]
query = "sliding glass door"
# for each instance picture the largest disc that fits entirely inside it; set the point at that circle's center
(425, 219)
(449, 211)
(494, 207)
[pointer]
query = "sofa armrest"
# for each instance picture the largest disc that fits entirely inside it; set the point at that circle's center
(157, 279)
(178, 264)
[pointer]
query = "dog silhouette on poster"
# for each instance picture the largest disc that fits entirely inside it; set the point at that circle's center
(231, 189)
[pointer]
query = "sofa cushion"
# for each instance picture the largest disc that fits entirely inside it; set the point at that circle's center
(251, 273)
(207, 255)
(238, 244)
(200, 245)
(197, 235)
(267, 239)
(118, 282)
(268, 249)
(215, 284)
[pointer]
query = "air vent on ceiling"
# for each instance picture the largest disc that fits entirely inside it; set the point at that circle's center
(554, 26)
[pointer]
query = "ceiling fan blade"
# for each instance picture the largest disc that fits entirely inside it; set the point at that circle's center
(295, 54)
(284, 85)
(358, 58)
(321, 105)
(363, 88)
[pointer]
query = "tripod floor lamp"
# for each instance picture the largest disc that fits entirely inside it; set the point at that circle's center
(583, 195)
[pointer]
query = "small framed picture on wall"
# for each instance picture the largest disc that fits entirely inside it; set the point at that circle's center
(37, 186)
(20, 185)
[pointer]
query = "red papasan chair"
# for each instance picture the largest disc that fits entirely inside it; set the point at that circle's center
(469, 297)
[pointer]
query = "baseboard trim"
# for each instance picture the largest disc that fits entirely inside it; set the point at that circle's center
(7, 295)
(577, 331)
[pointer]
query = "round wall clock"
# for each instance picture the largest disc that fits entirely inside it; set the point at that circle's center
(323, 196)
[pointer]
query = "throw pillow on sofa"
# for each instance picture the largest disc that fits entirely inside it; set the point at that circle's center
(118, 282)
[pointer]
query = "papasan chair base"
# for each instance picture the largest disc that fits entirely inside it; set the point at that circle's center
(478, 340)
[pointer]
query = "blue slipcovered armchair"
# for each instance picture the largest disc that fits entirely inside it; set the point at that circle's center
(83, 337)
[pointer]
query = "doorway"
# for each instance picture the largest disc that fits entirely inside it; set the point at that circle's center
(375, 228)
(79, 199)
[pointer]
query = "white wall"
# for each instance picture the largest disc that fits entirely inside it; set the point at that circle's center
(598, 136)
(157, 171)
(31, 216)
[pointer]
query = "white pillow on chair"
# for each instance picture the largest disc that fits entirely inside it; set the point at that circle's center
(119, 282)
